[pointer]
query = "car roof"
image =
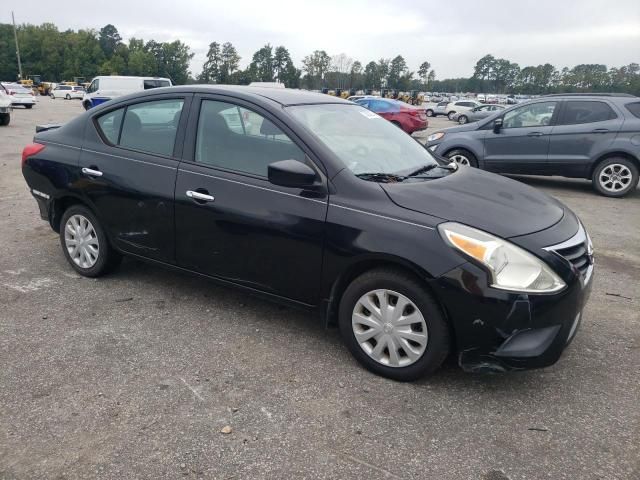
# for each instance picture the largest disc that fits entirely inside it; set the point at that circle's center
(283, 96)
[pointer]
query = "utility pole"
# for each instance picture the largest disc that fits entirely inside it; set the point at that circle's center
(15, 35)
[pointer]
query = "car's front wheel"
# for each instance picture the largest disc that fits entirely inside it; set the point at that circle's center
(393, 326)
(462, 157)
(429, 112)
(462, 119)
(450, 115)
(615, 177)
(85, 244)
(5, 118)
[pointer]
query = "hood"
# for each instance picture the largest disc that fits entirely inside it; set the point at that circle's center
(483, 200)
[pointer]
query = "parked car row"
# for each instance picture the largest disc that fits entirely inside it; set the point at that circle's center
(593, 136)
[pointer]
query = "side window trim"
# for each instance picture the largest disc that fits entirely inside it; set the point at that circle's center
(190, 134)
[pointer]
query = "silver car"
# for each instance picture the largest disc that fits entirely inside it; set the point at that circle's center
(477, 113)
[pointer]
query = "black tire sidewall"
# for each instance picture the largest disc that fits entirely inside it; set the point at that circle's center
(460, 119)
(105, 252)
(438, 332)
(623, 161)
(429, 113)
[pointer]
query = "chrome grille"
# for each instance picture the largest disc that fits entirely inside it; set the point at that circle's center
(578, 251)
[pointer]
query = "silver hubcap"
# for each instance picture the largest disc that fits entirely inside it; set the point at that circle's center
(462, 120)
(389, 328)
(615, 177)
(460, 160)
(81, 241)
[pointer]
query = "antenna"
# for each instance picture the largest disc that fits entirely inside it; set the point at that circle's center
(15, 35)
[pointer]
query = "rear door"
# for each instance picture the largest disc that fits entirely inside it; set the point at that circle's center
(585, 128)
(231, 222)
(522, 144)
(129, 162)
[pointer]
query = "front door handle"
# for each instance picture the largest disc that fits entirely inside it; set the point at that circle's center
(91, 172)
(600, 130)
(200, 197)
(536, 134)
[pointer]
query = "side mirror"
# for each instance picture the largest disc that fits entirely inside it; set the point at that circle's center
(291, 173)
(497, 125)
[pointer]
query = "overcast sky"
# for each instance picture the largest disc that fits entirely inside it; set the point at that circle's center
(452, 35)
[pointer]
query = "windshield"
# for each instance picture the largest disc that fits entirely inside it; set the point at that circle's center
(364, 141)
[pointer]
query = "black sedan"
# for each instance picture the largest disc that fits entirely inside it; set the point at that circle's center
(317, 202)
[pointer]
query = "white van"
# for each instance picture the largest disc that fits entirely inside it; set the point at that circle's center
(103, 89)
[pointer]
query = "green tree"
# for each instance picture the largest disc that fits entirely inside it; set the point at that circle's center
(397, 70)
(262, 64)
(211, 68)
(109, 39)
(229, 63)
(316, 66)
(423, 72)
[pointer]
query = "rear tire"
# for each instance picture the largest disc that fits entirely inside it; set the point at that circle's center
(5, 119)
(462, 119)
(394, 339)
(450, 115)
(615, 177)
(85, 244)
(463, 157)
(67, 97)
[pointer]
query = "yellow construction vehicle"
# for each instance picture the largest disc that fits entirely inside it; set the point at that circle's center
(416, 97)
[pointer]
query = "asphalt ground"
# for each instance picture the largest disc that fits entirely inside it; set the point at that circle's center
(135, 375)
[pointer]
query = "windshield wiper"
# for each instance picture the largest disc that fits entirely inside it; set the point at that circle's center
(431, 166)
(381, 177)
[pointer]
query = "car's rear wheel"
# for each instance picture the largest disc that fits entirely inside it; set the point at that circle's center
(393, 326)
(5, 118)
(615, 177)
(85, 244)
(429, 112)
(462, 119)
(462, 157)
(450, 115)
(67, 97)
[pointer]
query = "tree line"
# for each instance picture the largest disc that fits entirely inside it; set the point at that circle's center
(61, 55)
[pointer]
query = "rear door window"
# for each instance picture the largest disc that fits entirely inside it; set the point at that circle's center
(533, 115)
(577, 112)
(634, 108)
(151, 126)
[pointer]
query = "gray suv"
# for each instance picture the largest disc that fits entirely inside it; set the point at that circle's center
(594, 136)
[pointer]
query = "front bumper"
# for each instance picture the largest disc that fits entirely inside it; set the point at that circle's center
(497, 331)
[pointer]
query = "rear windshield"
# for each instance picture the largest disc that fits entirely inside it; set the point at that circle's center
(634, 108)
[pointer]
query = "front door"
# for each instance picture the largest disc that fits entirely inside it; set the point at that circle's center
(128, 168)
(231, 222)
(522, 144)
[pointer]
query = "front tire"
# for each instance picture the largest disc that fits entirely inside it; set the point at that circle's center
(67, 97)
(429, 112)
(463, 157)
(462, 119)
(615, 177)
(5, 119)
(393, 326)
(450, 115)
(84, 243)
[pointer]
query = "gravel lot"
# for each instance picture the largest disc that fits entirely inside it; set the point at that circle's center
(135, 374)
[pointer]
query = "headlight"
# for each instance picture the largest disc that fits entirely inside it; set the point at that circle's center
(511, 267)
(435, 136)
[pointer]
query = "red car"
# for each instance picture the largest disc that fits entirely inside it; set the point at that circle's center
(407, 117)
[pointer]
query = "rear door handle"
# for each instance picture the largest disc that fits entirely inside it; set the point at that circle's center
(200, 197)
(600, 130)
(91, 172)
(535, 134)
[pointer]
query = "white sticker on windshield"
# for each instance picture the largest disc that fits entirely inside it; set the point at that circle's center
(370, 114)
